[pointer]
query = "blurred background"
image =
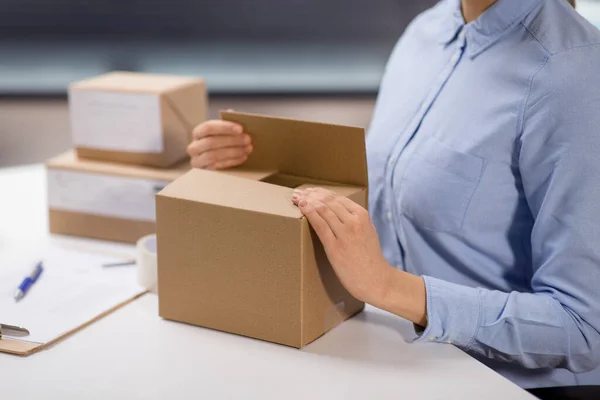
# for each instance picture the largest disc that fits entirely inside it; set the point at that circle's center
(313, 59)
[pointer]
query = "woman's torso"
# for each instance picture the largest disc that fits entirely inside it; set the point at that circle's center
(445, 188)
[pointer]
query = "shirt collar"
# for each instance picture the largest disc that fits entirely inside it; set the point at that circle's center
(452, 21)
(489, 27)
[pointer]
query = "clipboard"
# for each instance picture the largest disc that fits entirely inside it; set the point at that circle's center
(24, 348)
(76, 292)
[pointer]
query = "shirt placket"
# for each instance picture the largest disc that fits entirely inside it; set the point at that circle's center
(402, 146)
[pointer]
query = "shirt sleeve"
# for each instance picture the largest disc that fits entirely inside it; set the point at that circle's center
(557, 324)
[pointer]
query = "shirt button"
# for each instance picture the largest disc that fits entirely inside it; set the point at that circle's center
(391, 162)
(388, 215)
(454, 58)
(461, 35)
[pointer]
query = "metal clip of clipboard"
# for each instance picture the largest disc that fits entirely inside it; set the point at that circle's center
(12, 331)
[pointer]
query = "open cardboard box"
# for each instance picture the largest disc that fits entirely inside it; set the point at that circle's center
(235, 254)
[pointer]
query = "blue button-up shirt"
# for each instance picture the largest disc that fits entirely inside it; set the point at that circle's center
(484, 168)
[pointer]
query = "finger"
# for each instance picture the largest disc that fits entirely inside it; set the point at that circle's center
(328, 215)
(352, 207)
(327, 196)
(299, 194)
(320, 226)
(313, 190)
(217, 127)
(210, 158)
(233, 162)
(332, 200)
(317, 189)
(296, 198)
(303, 192)
(208, 143)
(198, 162)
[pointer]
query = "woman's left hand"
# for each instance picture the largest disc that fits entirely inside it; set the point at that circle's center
(350, 241)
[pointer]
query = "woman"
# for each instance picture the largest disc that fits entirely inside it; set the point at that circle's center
(484, 173)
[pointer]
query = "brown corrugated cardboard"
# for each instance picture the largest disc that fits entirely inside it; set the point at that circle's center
(104, 200)
(98, 226)
(234, 254)
(323, 152)
(135, 118)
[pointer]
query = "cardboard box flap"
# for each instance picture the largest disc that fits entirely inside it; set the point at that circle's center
(69, 161)
(325, 152)
(226, 190)
(133, 82)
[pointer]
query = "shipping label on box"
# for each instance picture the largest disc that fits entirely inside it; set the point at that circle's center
(113, 121)
(102, 200)
(106, 195)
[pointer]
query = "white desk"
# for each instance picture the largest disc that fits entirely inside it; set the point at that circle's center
(133, 354)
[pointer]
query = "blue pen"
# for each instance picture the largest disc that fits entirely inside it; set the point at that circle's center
(29, 281)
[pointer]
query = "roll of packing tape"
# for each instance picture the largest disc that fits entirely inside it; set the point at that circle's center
(147, 263)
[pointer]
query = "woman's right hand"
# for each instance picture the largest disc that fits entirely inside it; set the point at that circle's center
(219, 144)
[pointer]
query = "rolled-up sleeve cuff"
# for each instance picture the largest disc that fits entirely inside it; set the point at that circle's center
(453, 313)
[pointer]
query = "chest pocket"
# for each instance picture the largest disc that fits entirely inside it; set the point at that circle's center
(437, 186)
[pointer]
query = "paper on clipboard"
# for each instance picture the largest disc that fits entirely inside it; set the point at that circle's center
(73, 290)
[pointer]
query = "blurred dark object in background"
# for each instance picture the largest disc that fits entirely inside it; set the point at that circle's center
(345, 20)
(240, 46)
